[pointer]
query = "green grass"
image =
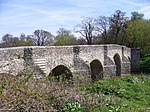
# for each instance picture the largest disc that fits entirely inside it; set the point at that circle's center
(132, 92)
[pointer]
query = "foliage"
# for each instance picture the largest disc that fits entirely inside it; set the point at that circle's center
(25, 93)
(71, 106)
(9, 40)
(139, 35)
(145, 63)
(64, 37)
(133, 91)
(136, 16)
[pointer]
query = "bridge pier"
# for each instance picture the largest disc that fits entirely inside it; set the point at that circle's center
(109, 66)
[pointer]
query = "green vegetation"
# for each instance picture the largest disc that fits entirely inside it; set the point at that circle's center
(145, 63)
(118, 94)
(132, 92)
(64, 37)
(138, 35)
(71, 106)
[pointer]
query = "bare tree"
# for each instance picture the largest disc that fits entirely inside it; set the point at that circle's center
(41, 37)
(118, 23)
(86, 29)
(22, 37)
(9, 40)
(102, 26)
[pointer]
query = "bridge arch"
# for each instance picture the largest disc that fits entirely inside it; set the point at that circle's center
(61, 73)
(117, 61)
(51, 64)
(96, 70)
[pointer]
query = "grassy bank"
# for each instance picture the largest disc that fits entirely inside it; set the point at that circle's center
(24, 93)
(129, 93)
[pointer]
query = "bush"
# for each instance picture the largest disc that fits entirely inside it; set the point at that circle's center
(145, 63)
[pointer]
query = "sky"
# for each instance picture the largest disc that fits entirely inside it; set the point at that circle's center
(26, 16)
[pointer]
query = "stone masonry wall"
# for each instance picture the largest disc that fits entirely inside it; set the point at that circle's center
(11, 60)
(41, 60)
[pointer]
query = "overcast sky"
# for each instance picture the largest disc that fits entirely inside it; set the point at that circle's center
(25, 16)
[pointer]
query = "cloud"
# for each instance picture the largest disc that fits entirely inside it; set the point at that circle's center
(17, 16)
(132, 3)
(60, 15)
(143, 6)
(146, 11)
(28, 15)
(37, 18)
(20, 6)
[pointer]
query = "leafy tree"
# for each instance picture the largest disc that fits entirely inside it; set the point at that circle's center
(136, 16)
(86, 29)
(118, 22)
(65, 37)
(139, 35)
(41, 38)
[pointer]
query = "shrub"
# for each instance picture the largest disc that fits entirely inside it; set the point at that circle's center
(145, 63)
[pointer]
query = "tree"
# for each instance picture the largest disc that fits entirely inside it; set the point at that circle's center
(41, 38)
(25, 40)
(81, 41)
(65, 37)
(102, 26)
(118, 23)
(9, 40)
(136, 16)
(86, 29)
(139, 35)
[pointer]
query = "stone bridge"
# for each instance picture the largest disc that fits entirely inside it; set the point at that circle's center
(94, 61)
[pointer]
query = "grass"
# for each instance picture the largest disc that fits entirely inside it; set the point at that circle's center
(132, 92)
(118, 94)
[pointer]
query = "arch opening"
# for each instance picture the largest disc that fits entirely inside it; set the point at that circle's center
(61, 73)
(117, 61)
(96, 70)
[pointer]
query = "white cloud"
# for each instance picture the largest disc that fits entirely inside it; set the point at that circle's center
(20, 6)
(146, 11)
(144, 7)
(27, 16)
(16, 16)
(132, 3)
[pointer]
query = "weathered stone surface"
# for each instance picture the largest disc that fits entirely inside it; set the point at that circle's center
(41, 60)
(135, 58)
(11, 60)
